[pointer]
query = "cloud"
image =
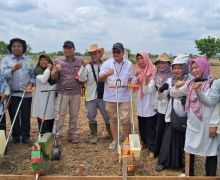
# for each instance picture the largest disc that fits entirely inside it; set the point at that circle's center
(155, 26)
(18, 6)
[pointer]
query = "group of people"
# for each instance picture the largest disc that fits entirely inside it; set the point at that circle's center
(176, 102)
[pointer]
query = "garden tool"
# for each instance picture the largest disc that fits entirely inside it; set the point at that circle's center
(56, 155)
(117, 86)
(42, 149)
(15, 117)
(134, 140)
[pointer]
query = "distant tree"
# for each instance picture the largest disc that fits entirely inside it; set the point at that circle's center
(208, 46)
(60, 53)
(3, 48)
(86, 54)
(29, 49)
(128, 51)
(78, 53)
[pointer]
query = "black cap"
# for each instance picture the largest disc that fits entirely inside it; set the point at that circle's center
(12, 41)
(69, 44)
(118, 46)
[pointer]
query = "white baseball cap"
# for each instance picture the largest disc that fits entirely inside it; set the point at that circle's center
(181, 59)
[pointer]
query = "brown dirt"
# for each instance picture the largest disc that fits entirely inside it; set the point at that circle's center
(98, 159)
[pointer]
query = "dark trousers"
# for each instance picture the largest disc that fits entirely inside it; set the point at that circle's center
(3, 123)
(210, 165)
(147, 129)
(22, 122)
(46, 127)
(159, 133)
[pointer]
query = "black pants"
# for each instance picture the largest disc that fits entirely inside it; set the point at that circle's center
(147, 129)
(22, 122)
(210, 165)
(3, 123)
(46, 127)
(159, 133)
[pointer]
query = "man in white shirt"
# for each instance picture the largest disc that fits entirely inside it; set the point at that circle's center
(94, 90)
(120, 70)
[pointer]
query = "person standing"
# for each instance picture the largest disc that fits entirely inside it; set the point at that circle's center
(172, 148)
(162, 81)
(145, 99)
(94, 90)
(18, 70)
(44, 101)
(65, 71)
(117, 70)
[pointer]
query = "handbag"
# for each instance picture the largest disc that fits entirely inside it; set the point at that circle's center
(177, 123)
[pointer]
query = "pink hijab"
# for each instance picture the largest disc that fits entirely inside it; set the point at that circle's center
(148, 70)
(192, 100)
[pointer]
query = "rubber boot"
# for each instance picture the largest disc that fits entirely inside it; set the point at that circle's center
(93, 131)
(108, 130)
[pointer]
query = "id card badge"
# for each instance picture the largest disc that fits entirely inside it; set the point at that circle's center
(118, 83)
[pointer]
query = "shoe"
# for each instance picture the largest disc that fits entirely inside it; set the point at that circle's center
(27, 141)
(108, 130)
(113, 145)
(159, 168)
(93, 132)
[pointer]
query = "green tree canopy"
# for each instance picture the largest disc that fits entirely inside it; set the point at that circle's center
(208, 46)
(3, 48)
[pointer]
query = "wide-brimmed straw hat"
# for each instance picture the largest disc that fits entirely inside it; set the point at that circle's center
(95, 47)
(162, 57)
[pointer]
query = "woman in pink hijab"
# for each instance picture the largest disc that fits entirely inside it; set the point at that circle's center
(145, 99)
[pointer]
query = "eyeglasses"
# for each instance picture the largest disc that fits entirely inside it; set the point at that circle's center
(116, 52)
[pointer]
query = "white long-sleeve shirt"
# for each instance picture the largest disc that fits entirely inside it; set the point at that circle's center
(212, 98)
(145, 106)
(86, 75)
(40, 98)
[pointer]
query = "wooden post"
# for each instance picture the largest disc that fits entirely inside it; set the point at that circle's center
(124, 168)
(81, 170)
(187, 164)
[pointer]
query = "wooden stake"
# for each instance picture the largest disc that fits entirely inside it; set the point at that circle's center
(124, 168)
(81, 170)
(187, 163)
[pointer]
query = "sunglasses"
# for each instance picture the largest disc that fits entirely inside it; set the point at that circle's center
(116, 52)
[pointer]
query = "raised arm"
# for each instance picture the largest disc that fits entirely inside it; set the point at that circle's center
(149, 87)
(213, 96)
(83, 74)
(43, 78)
(178, 91)
(105, 72)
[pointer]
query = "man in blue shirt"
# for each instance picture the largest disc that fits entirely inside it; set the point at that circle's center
(18, 70)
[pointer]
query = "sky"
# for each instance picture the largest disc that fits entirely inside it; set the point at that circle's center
(154, 26)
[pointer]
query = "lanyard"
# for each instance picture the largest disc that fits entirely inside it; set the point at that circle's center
(118, 73)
